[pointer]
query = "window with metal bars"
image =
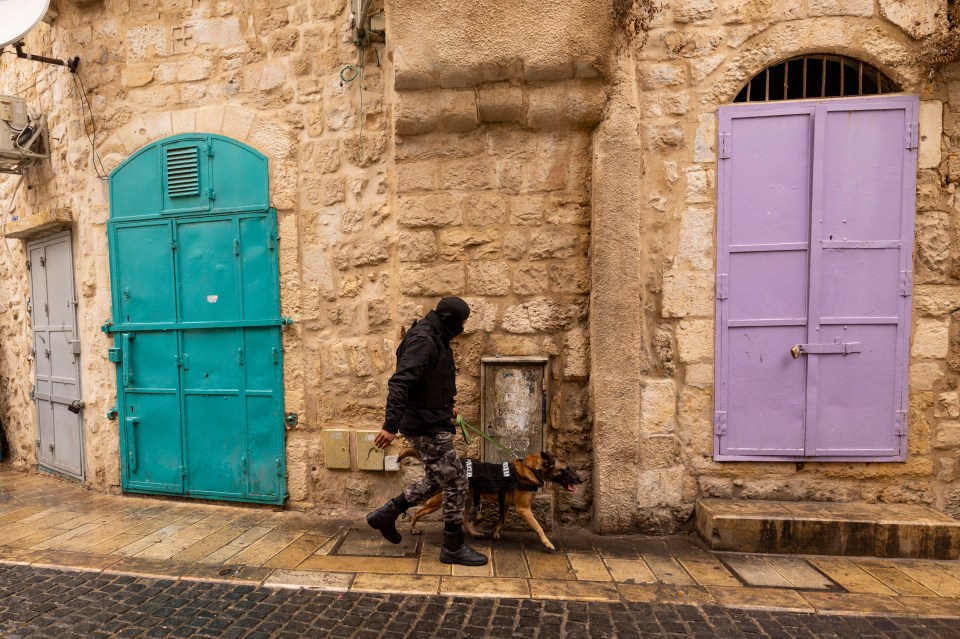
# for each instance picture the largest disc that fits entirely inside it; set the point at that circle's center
(816, 76)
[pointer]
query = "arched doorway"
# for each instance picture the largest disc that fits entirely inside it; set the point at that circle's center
(196, 321)
(814, 258)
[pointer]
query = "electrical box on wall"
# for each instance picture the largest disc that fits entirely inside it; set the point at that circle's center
(336, 448)
(23, 139)
(369, 457)
(513, 404)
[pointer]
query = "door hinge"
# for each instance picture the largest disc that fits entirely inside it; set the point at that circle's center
(901, 423)
(211, 194)
(236, 246)
(912, 135)
(174, 245)
(724, 143)
(720, 423)
(906, 283)
(115, 355)
(275, 354)
(33, 392)
(38, 442)
(33, 353)
(178, 360)
(723, 286)
(183, 471)
(29, 265)
(271, 241)
(240, 357)
(43, 261)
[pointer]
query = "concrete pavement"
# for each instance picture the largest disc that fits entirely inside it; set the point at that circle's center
(49, 523)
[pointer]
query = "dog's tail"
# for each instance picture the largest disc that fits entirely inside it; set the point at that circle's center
(407, 452)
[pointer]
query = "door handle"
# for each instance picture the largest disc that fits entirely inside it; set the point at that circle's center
(837, 348)
(127, 370)
(132, 442)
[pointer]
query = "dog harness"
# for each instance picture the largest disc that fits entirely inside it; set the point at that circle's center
(493, 478)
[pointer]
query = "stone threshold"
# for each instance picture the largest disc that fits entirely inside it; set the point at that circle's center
(828, 528)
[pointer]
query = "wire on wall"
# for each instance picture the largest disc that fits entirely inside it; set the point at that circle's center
(84, 107)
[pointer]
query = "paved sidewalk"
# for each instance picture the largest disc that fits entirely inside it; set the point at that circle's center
(49, 523)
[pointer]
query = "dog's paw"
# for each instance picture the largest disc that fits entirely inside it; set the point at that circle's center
(548, 547)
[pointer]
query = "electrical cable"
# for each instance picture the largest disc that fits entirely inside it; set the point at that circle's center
(84, 107)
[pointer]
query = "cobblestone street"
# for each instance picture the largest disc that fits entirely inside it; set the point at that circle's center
(49, 603)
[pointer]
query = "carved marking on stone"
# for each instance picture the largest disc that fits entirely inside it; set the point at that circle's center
(182, 38)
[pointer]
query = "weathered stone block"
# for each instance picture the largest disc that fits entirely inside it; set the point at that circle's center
(370, 252)
(419, 112)
(483, 209)
(416, 176)
(575, 104)
(576, 357)
(918, 18)
(924, 375)
(659, 451)
(658, 407)
(696, 238)
(688, 294)
(570, 276)
(660, 487)
(456, 244)
(539, 315)
(693, 10)
(527, 210)
(935, 300)
(500, 102)
(931, 339)
(438, 209)
(948, 405)
(700, 185)
(948, 436)
(699, 375)
(662, 136)
(933, 246)
(379, 314)
(530, 279)
(418, 280)
(661, 75)
(695, 340)
(931, 132)
(556, 243)
(483, 316)
(467, 174)
(514, 245)
(862, 8)
(488, 278)
(746, 11)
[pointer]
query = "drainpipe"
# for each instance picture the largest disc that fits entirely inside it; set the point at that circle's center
(360, 28)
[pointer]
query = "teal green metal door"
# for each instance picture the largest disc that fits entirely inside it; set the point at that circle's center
(197, 322)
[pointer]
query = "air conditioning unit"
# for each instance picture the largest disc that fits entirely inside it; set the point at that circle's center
(23, 139)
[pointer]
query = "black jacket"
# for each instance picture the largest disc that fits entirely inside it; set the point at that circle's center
(420, 393)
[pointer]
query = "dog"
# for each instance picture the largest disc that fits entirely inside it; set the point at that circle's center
(528, 475)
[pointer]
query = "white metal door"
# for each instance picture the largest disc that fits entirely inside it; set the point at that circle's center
(56, 351)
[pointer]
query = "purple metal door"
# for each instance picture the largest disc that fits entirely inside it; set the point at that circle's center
(815, 235)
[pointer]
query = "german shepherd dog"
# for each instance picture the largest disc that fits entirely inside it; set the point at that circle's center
(531, 473)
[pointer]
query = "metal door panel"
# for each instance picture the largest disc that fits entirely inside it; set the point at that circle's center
(767, 285)
(262, 349)
(860, 283)
(266, 467)
(258, 244)
(765, 401)
(215, 359)
(856, 394)
(863, 153)
(46, 433)
(142, 267)
(209, 277)
(59, 288)
(216, 444)
(772, 150)
(68, 451)
(152, 458)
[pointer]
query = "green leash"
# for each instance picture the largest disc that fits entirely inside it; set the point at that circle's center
(464, 425)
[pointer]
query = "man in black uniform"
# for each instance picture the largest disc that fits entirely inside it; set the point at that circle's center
(420, 405)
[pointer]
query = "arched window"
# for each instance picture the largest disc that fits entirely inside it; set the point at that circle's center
(816, 76)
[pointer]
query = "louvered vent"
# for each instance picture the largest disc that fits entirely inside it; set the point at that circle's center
(183, 172)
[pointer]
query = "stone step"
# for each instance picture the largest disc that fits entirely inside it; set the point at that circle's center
(828, 528)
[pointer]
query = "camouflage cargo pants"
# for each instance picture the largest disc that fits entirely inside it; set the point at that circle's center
(443, 471)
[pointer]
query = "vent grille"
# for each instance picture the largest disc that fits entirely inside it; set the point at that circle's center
(183, 172)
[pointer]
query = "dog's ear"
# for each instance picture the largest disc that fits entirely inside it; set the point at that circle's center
(548, 460)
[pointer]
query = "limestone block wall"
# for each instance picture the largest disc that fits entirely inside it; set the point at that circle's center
(696, 57)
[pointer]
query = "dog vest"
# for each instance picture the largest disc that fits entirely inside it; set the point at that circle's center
(493, 478)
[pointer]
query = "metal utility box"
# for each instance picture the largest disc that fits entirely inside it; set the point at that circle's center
(336, 448)
(369, 457)
(513, 406)
(23, 140)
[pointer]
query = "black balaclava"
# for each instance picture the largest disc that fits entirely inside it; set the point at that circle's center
(453, 312)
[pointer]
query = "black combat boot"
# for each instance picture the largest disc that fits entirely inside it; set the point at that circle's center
(454, 551)
(384, 518)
